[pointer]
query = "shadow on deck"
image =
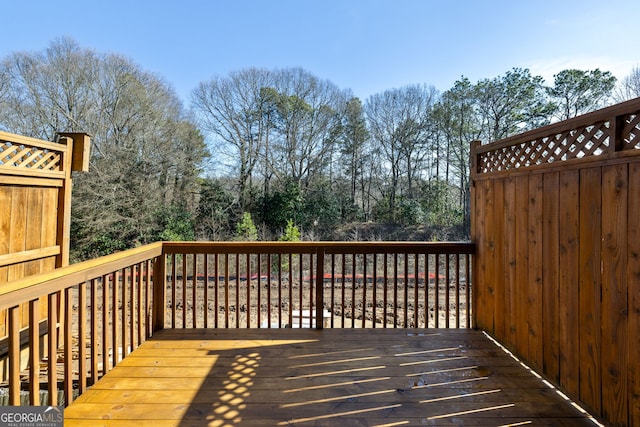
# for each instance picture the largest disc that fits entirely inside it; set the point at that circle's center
(355, 377)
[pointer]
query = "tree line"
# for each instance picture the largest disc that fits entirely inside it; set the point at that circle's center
(271, 154)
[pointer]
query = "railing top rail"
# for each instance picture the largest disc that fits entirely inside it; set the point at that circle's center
(33, 287)
(313, 247)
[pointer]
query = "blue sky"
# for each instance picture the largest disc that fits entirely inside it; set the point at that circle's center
(367, 46)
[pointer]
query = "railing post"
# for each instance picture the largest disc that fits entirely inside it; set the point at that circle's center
(320, 288)
(159, 293)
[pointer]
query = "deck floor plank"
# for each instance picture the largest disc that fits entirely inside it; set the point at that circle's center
(318, 378)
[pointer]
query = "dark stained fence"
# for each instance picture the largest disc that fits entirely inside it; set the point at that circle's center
(556, 222)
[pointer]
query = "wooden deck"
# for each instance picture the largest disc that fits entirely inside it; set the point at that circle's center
(342, 377)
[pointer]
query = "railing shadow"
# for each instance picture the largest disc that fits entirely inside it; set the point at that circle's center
(310, 377)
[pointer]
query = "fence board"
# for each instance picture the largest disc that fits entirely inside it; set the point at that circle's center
(614, 294)
(590, 284)
(633, 275)
(482, 297)
(503, 193)
(34, 227)
(5, 226)
(18, 229)
(550, 277)
(522, 264)
(509, 273)
(569, 277)
(534, 278)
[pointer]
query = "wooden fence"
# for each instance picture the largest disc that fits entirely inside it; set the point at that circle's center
(35, 209)
(556, 222)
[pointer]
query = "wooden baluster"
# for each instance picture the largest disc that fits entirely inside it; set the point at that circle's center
(436, 312)
(206, 289)
(140, 268)
(427, 286)
(446, 295)
(132, 306)
(375, 290)
(68, 346)
(406, 290)
(125, 320)
(237, 270)
(364, 290)
(93, 331)
(301, 287)
(216, 272)
(52, 353)
(14, 356)
(468, 290)
(268, 286)
(185, 301)
(114, 319)
(194, 293)
(226, 290)
(395, 290)
(319, 299)
(458, 312)
(353, 290)
(311, 291)
(105, 323)
(82, 338)
(416, 286)
(279, 288)
(249, 307)
(343, 290)
(290, 272)
(385, 272)
(333, 285)
(34, 352)
(174, 291)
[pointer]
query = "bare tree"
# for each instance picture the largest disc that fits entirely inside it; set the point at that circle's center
(401, 129)
(232, 110)
(305, 116)
(629, 87)
(145, 150)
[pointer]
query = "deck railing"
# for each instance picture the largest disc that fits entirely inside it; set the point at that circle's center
(253, 285)
(95, 313)
(98, 311)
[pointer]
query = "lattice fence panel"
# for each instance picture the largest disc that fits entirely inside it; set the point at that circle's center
(631, 132)
(586, 141)
(28, 157)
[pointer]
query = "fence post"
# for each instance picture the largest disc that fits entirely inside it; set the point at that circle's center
(616, 125)
(320, 288)
(159, 293)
